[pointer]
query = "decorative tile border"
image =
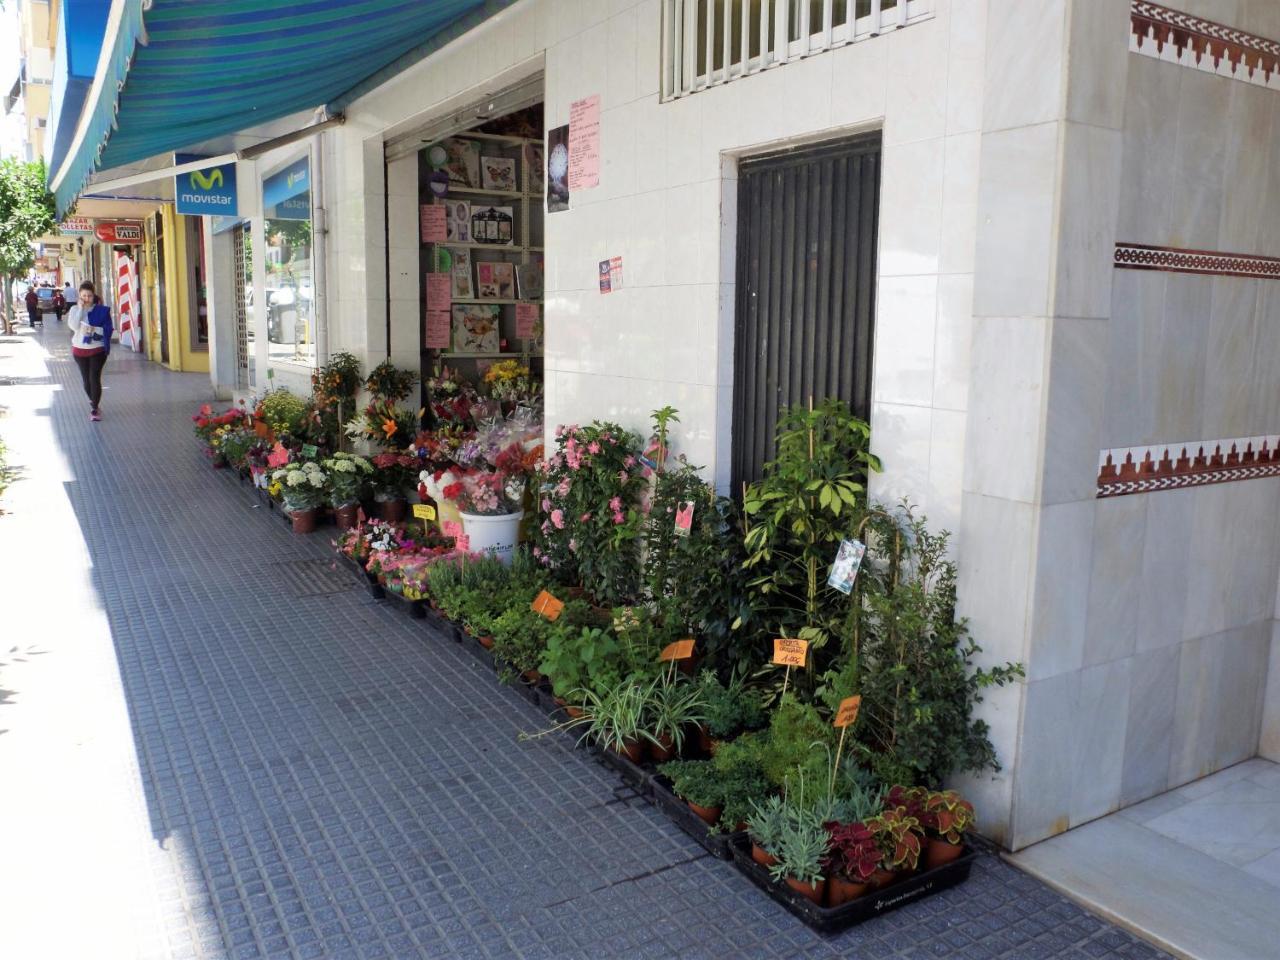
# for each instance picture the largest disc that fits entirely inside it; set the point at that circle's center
(1126, 470)
(1141, 256)
(1178, 37)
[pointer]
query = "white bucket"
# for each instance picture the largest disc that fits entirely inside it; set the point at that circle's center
(497, 535)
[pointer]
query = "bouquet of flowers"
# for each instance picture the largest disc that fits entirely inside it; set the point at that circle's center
(493, 467)
(303, 486)
(347, 477)
(385, 424)
(388, 383)
(393, 475)
(450, 397)
(509, 382)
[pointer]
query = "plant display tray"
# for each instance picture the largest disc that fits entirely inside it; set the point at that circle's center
(376, 589)
(636, 776)
(873, 904)
(473, 647)
(716, 844)
(443, 626)
(417, 609)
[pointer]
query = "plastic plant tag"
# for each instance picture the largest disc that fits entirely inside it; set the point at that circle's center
(684, 518)
(790, 653)
(451, 528)
(680, 650)
(424, 511)
(309, 451)
(845, 569)
(848, 711)
(547, 605)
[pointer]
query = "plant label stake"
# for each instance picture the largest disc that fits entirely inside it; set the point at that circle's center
(424, 511)
(680, 650)
(309, 451)
(547, 605)
(789, 653)
(846, 714)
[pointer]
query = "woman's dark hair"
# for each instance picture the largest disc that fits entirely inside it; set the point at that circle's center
(88, 285)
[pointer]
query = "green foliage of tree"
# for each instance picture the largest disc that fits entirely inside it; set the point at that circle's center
(26, 212)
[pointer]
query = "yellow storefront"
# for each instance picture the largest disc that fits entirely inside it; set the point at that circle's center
(173, 283)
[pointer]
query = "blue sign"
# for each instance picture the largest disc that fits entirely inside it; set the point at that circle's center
(211, 191)
(293, 181)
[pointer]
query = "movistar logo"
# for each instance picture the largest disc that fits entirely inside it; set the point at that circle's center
(201, 182)
(293, 177)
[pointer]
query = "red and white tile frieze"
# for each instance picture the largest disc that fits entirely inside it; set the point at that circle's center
(1142, 256)
(1173, 466)
(1176, 37)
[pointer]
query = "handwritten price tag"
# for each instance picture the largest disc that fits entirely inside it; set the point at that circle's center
(790, 653)
(680, 650)
(547, 605)
(462, 542)
(848, 711)
(424, 511)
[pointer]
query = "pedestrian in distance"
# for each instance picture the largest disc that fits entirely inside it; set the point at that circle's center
(91, 327)
(59, 304)
(33, 306)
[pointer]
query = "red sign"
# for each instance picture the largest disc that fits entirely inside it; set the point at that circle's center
(118, 232)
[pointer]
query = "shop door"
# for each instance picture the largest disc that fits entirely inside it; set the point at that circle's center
(806, 264)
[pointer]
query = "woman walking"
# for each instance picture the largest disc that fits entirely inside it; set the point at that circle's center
(91, 327)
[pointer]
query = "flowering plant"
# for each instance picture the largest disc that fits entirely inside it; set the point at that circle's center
(233, 442)
(510, 382)
(393, 474)
(206, 422)
(304, 486)
(282, 411)
(347, 477)
(390, 384)
(487, 493)
(450, 396)
(385, 424)
(590, 508)
(492, 468)
(437, 450)
(338, 381)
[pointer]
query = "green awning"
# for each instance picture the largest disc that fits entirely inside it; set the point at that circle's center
(183, 71)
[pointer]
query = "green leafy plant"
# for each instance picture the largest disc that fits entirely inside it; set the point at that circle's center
(942, 814)
(388, 382)
(732, 780)
(795, 740)
(897, 834)
(582, 657)
(674, 705)
(765, 821)
(616, 718)
(801, 848)
(520, 638)
(731, 708)
(694, 780)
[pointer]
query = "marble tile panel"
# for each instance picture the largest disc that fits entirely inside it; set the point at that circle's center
(1250, 117)
(1192, 753)
(1166, 557)
(648, 46)
(1005, 430)
(1150, 140)
(1179, 348)
(1245, 656)
(946, 471)
(900, 437)
(953, 338)
(1133, 344)
(994, 579)
(1260, 17)
(959, 203)
(1026, 44)
(1042, 779)
(966, 54)
(1266, 868)
(859, 79)
(1087, 221)
(991, 792)
(911, 208)
(1098, 52)
(1229, 366)
(1153, 689)
(1159, 804)
(1236, 825)
(1217, 782)
(1073, 419)
(1060, 601)
(683, 120)
(1103, 712)
(618, 170)
(1264, 398)
(916, 105)
(624, 51)
(1269, 739)
(1268, 776)
(906, 316)
(1118, 535)
(1016, 198)
(1198, 185)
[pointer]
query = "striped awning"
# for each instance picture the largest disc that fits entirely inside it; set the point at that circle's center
(173, 73)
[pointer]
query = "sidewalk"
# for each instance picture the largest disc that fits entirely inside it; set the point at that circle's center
(215, 747)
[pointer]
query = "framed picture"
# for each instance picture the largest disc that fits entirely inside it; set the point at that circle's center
(475, 328)
(462, 162)
(497, 173)
(536, 165)
(457, 221)
(460, 273)
(495, 281)
(495, 225)
(529, 280)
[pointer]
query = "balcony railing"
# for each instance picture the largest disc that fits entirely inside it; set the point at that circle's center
(709, 42)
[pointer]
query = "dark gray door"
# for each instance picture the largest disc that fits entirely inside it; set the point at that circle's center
(806, 271)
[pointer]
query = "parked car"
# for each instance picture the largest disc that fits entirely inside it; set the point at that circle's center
(46, 303)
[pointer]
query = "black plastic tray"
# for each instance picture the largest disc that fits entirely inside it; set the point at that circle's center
(636, 776)
(716, 844)
(376, 590)
(441, 625)
(417, 609)
(873, 904)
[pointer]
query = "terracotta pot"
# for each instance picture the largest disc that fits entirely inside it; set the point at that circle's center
(662, 751)
(705, 743)
(531, 676)
(345, 516)
(393, 511)
(708, 815)
(814, 892)
(760, 856)
(304, 521)
(841, 890)
(939, 852)
(885, 878)
(261, 430)
(486, 642)
(574, 712)
(633, 750)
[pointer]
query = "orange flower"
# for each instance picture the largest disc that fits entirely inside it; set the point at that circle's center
(389, 428)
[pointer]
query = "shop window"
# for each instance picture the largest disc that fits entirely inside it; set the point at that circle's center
(290, 292)
(805, 287)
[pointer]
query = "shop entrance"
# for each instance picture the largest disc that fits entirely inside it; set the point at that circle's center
(805, 288)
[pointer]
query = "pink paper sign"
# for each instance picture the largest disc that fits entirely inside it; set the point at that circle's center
(526, 320)
(584, 143)
(463, 543)
(439, 291)
(451, 528)
(437, 334)
(432, 223)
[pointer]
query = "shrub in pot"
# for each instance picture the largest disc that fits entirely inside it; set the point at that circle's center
(802, 854)
(855, 857)
(520, 639)
(615, 719)
(729, 708)
(697, 783)
(897, 835)
(674, 706)
(304, 487)
(586, 657)
(944, 816)
(764, 827)
(722, 790)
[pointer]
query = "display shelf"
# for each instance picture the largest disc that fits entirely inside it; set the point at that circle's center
(509, 247)
(450, 355)
(490, 300)
(509, 194)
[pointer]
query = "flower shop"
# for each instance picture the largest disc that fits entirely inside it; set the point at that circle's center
(782, 672)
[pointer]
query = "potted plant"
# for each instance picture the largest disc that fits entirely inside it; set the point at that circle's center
(304, 487)
(895, 832)
(698, 784)
(347, 477)
(615, 719)
(944, 816)
(729, 709)
(675, 706)
(582, 657)
(764, 827)
(283, 412)
(802, 854)
(854, 858)
(519, 639)
(390, 479)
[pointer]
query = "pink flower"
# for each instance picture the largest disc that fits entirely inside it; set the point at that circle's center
(573, 545)
(537, 551)
(546, 525)
(615, 504)
(584, 518)
(562, 488)
(629, 462)
(557, 519)
(546, 504)
(593, 447)
(618, 518)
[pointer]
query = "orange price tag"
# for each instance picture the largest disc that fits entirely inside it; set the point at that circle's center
(790, 653)
(848, 711)
(680, 650)
(547, 605)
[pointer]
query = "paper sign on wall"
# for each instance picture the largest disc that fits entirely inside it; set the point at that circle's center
(680, 650)
(431, 222)
(547, 605)
(424, 511)
(437, 334)
(439, 291)
(526, 320)
(790, 653)
(584, 143)
(848, 711)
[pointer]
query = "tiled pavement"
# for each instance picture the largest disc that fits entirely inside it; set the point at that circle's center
(224, 750)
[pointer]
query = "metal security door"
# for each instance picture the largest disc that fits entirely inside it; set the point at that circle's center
(805, 288)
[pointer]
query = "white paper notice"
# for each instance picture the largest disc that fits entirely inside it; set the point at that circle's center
(584, 143)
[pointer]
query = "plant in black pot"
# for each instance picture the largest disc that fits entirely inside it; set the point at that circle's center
(675, 706)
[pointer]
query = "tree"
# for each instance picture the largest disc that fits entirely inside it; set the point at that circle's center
(26, 212)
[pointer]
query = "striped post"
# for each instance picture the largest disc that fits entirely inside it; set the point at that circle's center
(125, 282)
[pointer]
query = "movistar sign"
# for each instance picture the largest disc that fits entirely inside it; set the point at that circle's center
(211, 191)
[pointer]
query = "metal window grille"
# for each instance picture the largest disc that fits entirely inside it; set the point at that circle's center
(806, 266)
(242, 314)
(709, 42)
